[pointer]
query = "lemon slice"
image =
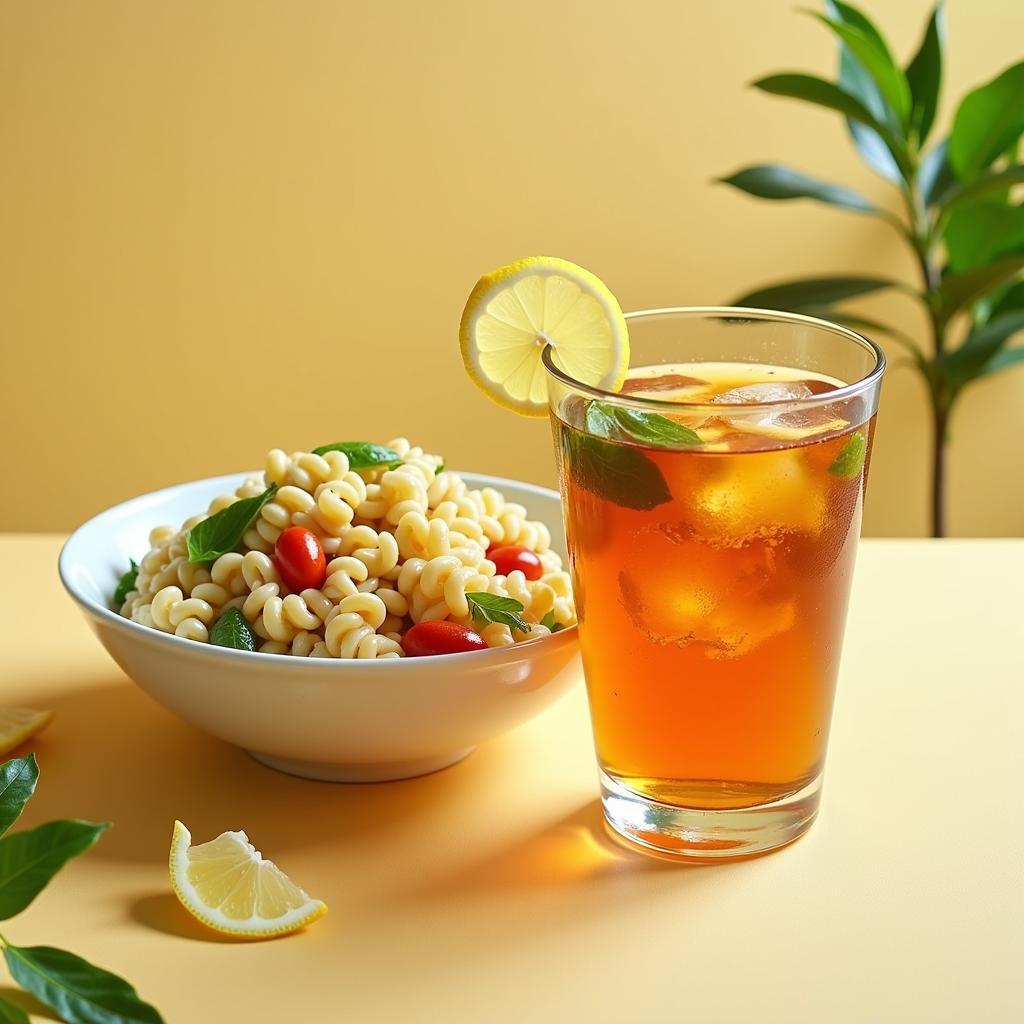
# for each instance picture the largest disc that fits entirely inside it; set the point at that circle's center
(17, 724)
(232, 889)
(515, 312)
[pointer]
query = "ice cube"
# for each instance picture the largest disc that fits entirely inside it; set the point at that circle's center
(784, 423)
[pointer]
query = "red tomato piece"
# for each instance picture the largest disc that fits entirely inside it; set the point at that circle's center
(441, 638)
(300, 559)
(512, 556)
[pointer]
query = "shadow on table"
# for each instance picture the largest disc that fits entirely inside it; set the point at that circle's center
(112, 754)
(575, 851)
(28, 1003)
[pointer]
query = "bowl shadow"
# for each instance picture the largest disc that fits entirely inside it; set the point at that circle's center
(113, 754)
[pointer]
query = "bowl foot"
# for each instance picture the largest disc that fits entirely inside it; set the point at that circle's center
(385, 771)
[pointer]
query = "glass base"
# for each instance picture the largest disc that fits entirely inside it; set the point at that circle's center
(687, 833)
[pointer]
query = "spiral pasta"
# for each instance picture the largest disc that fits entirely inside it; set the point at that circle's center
(404, 544)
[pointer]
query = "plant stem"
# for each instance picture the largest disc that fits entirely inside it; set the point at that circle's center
(941, 417)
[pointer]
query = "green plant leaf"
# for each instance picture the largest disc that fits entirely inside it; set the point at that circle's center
(1004, 360)
(126, 583)
(850, 460)
(979, 347)
(618, 473)
(606, 420)
(826, 94)
(990, 181)
(75, 989)
(812, 291)
(774, 181)
(28, 860)
(870, 49)
(960, 290)
(224, 530)
(11, 1014)
(232, 630)
(363, 454)
(855, 79)
(18, 779)
(1010, 300)
(935, 175)
(486, 608)
(978, 232)
(988, 121)
(924, 74)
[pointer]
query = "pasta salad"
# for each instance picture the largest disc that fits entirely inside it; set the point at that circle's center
(353, 550)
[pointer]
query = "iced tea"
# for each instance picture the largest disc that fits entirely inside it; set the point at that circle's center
(711, 554)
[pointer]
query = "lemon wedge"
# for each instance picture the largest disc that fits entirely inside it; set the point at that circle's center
(17, 724)
(232, 889)
(515, 312)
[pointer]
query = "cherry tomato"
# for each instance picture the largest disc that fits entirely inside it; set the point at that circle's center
(441, 638)
(512, 556)
(300, 559)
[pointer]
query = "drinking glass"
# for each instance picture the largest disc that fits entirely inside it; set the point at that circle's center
(711, 543)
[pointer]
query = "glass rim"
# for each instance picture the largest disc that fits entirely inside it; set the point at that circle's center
(846, 391)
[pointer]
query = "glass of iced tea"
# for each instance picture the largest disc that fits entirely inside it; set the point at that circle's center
(712, 509)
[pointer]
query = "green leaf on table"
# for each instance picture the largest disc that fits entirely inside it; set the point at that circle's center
(935, 175)
(619, 473)
(486, 608)
(18, 779)
(988, 122)
(978, 232)
(223, 531)
(75, 989)
(960, 290)
(924, 74)
(232, 630)
(126, 583)
(990, 181)
(29, 859)
(11, 1014)
(850, 460)
(854, 78)
(870, 50)
(979, 347)
(812, 291)
(603, 419)
(775, 181)
(363, 454)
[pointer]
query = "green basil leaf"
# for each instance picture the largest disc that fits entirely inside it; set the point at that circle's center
(850, 460)
(362, 454)
(11, 1014)
(232, 630)
(17, 784)
(126, 583)
(549, 620)
(988, 121)
(924, 74)
(603, 419)
(75, 989)
(812, 291)
(28, 860)
(775, 181)
(440, 468)
(486, 608)
(618, 473)
(224, 530)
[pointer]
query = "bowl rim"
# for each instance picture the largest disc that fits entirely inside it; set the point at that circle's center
(66, 562)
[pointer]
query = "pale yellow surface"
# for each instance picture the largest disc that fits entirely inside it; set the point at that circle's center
(489, 892)
(231, 225)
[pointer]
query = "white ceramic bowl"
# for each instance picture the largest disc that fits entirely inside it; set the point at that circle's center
(345, 721)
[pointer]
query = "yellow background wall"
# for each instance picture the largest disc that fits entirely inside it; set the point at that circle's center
(231, 225)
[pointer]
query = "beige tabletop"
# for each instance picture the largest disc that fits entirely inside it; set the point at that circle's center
(490, 893)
